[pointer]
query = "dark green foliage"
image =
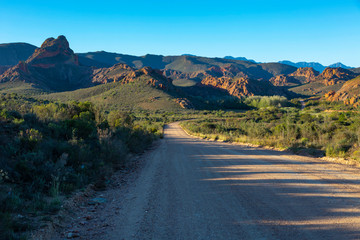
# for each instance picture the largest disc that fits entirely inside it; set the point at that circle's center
(334, 134)
(51, 149)
(267, 101)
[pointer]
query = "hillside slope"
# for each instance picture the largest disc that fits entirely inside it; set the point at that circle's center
(12, 53)
(186, 64)
(349, 93)
(355, 70)
(135, 95)
(55, 67)
(52, 67)
(331, 79)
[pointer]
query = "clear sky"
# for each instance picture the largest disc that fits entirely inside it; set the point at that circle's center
(326, 31)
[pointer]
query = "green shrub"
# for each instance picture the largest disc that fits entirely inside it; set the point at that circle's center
(51, 149)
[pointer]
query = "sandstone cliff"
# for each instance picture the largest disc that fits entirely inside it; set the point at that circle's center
(349, 93)
(331, 76)
(240, 87)
(284, 80)
(236, 82)
(184, 103)
(305, 74)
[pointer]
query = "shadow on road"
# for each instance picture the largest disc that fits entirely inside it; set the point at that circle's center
(292, 198)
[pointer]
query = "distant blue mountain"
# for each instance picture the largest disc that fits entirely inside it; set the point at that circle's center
(315, 65)
(239, 58)
(339, 64)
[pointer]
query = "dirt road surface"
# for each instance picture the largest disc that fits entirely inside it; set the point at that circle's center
(190, 188)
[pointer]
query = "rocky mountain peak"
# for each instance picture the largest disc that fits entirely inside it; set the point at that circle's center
(337, 73)
(60, 41)
(53, 51)
(52, 66)
(305, 74)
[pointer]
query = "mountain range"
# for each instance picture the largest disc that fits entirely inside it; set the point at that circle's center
(315, 65)
(54, 67)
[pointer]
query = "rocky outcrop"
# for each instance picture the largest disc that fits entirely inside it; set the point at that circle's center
(331, 76)
(53, 66)
(117, 73)
(156, 78)
(329, 79)
(53, 52)
(241, 87)
(233, 80)
(349, 93)
(228, 70)
(330, 82)
(300, 76)
(330, 95)
(305, 74)
(18, 72)
(126, 74)
(284, 80)
(184, 103)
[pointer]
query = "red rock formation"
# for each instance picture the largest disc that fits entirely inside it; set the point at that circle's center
(349, 93)
(52, 52)
(18, 72)
(240, 87)
(126, 74)
(117, 73)
(329, 82)
(55, 66)
(331, 76)
(330, 94)
(52, 66)
(184, 103)
(305, 75)
(228, 70)
(284, 80)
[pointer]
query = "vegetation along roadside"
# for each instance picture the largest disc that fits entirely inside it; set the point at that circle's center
(311, 131)
(48, 150)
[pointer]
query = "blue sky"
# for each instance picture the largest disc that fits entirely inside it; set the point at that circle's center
(263, 30)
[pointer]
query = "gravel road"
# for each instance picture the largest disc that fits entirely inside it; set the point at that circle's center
(190, 188)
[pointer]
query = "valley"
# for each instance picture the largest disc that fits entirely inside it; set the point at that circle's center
(70, 122)
(190, 188)
(56, 68)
